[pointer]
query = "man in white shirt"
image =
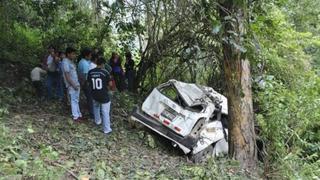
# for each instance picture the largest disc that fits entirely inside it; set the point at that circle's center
(36, 80)
(72, 82)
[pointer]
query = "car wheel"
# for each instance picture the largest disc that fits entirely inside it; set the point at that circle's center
(195, 132)
(203, 155)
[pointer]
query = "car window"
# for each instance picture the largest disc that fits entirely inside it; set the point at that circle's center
(171, 93)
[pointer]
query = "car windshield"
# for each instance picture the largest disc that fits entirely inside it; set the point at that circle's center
(172, 93)
(190, 93)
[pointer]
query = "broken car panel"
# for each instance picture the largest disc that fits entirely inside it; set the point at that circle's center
(189, 115)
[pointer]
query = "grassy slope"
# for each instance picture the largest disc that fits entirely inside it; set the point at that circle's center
(40, 141)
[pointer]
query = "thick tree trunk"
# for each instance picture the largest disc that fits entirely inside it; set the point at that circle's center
(242, 143)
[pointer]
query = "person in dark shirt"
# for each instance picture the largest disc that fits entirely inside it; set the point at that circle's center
(130, 72)
(99, 82)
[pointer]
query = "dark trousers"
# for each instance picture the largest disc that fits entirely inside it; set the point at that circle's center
(130, 75)
(52, 84)
(60, 87)
(119, 79)
(87, 93)
(38, 87)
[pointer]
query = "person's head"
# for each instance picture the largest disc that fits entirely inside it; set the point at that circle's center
(94, 58)
(100, 62)
(86, 53)
(98, 51)
(71, 53)
(62, 55)
(57, 53)
(114, 55)
(51, 50)
(95, 50)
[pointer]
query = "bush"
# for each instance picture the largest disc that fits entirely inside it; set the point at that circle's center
(290, 121)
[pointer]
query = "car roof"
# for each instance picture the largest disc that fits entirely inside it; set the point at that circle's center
(191, 93)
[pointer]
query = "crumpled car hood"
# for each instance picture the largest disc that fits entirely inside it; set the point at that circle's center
(191, 93)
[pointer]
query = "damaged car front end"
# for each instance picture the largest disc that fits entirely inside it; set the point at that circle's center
(193, 117)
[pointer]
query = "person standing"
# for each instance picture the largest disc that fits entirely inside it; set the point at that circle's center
(36, 80)
(117, 71)
(52, 74)
(44, 61)
(59, 79)
(83, 69)
(130, 73)
(72, 82)
(99, 81)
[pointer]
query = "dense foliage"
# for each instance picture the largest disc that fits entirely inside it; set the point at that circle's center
(182, 40)
(287, 93)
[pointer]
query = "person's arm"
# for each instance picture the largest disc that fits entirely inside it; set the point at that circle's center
(109, 81)
(70, 81)
(82, 78)
(66, 71)
(109, 85)
(80, 73)
(43, 71)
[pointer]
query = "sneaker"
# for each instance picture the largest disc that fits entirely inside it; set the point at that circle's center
(107, 132)
(97, 123)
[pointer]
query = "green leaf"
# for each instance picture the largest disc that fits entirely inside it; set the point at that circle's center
(101, 173)
(30, 130)
(151, 141)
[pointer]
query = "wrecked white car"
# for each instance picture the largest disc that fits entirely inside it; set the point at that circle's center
(193, 117)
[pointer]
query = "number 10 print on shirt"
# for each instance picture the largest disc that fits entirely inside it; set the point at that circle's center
(96, 83)
(98, 80)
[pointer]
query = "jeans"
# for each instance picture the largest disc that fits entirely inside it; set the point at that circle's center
(52, 82)
(104, 109)
(74, 101)
(87, 93)
(60, 87)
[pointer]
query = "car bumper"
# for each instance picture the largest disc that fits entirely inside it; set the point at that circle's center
(185, 143)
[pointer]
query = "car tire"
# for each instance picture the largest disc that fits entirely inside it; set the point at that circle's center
(203, 155)
(197, 128)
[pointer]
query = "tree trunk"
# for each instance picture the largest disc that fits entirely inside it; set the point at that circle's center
(242, 143)
(96, 11)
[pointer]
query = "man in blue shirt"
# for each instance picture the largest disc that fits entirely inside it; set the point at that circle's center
(72, 83)
(83, 69)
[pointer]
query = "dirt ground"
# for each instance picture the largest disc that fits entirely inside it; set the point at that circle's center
(83, 148)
